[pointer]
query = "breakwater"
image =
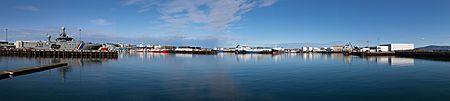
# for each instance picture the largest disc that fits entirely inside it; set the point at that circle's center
(59, 53)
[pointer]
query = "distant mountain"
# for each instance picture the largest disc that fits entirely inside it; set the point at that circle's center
(433, 47)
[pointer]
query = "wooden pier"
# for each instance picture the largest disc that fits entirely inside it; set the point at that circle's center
(59, 53)
(4, 75)
(23, 71)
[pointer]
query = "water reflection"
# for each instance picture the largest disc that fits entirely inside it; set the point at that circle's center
(256, 57)
(392, 60)
(307, 57)
(225, 76)
(12, 63)
(180, 60)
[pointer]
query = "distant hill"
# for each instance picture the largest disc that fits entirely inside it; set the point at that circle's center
(433, 47)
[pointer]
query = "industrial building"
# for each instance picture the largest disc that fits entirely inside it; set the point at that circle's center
(399, 46)
(382, 48)
(337, 48)
(6, 45)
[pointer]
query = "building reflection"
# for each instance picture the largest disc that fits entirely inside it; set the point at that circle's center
(146, 55)
(306, 57)
(326, 57)
(311, 57)
(392, 60)
(257, 57)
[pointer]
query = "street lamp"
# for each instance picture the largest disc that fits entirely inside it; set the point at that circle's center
(6, 30)
(80, 34)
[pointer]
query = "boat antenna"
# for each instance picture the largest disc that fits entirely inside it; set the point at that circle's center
(49, 37)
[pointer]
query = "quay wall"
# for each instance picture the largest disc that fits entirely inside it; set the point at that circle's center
(423, 54)
(373, 53)
(59, 53)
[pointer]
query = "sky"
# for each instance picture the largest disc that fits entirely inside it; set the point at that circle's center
(211, 23)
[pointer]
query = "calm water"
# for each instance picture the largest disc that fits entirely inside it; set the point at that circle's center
(309, 77)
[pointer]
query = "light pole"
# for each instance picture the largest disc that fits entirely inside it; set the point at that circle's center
(80, 34)
(6, 30)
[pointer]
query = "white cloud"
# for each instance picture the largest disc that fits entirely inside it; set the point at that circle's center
(216, 15)
(27, 8)
(100, 22)
(131, 2)
(265, 3)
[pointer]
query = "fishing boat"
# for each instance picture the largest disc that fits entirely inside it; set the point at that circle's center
(347, 49)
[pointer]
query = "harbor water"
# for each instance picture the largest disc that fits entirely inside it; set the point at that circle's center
(229, 76)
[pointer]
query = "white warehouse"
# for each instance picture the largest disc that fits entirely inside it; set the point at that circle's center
(399, 46)
(382, 48)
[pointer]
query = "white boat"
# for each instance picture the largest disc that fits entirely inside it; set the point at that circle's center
(246, 49)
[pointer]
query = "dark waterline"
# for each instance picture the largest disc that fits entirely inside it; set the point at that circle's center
(151, 76)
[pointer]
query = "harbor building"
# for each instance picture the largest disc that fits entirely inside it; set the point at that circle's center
(6, 45)
(399, 46)
(337, 48)
(382, 48)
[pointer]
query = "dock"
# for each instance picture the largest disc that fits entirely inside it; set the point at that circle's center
(59, 53)
(23, 71)
(4, 75)
(435, 54)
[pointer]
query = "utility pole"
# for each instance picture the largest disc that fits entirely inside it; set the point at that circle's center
(367, 41)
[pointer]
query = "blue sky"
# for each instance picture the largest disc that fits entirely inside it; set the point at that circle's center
(229, 22)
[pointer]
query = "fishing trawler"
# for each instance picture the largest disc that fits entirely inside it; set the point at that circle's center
(347, 49)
